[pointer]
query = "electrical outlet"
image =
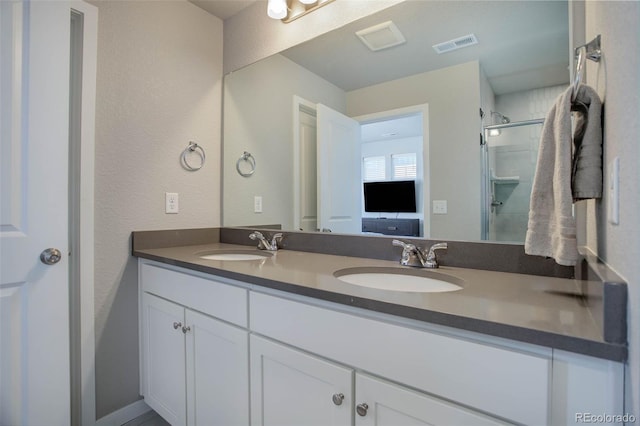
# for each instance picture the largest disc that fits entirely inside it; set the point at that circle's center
(439, 206)
(171, 202)
(257, 204)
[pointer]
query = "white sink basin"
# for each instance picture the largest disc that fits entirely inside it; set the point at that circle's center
(396, 279)
(234, 255)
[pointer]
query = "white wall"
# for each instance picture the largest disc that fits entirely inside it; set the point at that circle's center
(258, 118)
(159, 86)
(617, 81)
(453, 95)
(528, 104)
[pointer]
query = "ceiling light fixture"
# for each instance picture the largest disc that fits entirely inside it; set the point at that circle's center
(277, 9)
(290, 10)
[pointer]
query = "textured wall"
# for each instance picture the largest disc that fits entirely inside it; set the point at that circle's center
(158, 86)
(617, 80)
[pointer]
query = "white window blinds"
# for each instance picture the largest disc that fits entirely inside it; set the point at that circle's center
(404, 166)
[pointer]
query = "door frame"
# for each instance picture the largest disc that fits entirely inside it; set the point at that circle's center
(82, 301)
(299, 104)
(426, 167)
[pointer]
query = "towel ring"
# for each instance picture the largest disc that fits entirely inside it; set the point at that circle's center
(591, 51)
(246, 157)
(193, 147)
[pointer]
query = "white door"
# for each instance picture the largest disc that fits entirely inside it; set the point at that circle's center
(381, 403)
(291, 388)
(164, 358)
(339, 176)
(217, 372)
(34, 297)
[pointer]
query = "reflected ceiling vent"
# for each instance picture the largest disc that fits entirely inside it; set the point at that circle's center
(456, 44)
(381, 36)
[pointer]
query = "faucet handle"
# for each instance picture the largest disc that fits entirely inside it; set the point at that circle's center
(432, 261)
(274, 240)
(406, 246)
(411, 255)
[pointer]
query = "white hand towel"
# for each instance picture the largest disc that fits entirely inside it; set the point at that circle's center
(552, 228)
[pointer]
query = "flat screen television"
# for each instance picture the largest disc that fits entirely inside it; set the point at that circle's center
(398, 196)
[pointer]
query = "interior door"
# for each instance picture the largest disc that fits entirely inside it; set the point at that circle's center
(339, 175)
(34, 293)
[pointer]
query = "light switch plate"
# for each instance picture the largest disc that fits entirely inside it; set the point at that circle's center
(439, 206)
(257, 204)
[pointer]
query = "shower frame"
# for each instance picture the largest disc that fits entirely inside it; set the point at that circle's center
(486, 175)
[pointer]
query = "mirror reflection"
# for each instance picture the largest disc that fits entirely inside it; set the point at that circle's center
(455, 109)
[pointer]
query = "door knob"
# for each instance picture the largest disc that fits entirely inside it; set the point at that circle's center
(50, 256)
(362, 409)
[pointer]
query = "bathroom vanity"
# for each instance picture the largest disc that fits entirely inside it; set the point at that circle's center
(278, 339)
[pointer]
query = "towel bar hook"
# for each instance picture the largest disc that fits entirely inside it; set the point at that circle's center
(591, 51)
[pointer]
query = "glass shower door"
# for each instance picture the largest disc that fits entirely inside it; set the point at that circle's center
(510, 153)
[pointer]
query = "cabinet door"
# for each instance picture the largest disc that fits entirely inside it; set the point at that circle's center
(289, 387)
(217, 372)
(381, 403)
(164, 358)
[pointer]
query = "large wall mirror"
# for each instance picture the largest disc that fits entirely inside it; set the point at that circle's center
(460, 120)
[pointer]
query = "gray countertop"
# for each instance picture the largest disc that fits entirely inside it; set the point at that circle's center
(546, 311)
(535, 309)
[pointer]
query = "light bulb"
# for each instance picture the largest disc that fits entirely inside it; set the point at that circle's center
(307, 1)
(277, 9)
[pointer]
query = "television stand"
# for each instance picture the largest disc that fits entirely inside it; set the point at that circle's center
(402, 227)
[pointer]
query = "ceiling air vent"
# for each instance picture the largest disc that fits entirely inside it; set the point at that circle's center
(381, 36)
(455, 44)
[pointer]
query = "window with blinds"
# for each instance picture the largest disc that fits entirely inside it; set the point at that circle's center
(374, 168)
(401, 167)
(404, 166)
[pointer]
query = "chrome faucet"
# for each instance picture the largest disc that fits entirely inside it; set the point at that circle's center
(263, 243)
(415, 256)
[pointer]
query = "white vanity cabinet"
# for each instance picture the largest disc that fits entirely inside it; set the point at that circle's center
(194, 368)
(381, 403)
(290, 387)
(313, 362)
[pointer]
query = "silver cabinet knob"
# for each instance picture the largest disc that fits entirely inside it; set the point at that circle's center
(50, 256)
(362, 409)
(338, 398)
(177, 325)
(186, 329)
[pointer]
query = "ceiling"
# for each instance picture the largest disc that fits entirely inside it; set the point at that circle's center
(223, 9)
(522, 45)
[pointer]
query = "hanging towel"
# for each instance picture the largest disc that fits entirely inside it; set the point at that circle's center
(551, 230)
(586, 176)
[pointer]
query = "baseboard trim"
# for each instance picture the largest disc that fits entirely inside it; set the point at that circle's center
(125, 414)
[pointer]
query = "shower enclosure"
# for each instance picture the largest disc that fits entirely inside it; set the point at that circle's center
(509, 156)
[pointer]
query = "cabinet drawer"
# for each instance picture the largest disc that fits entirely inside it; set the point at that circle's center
(211, 297)
(507, 383)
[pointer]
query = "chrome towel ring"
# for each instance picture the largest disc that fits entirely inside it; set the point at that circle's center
(248, 158)
(192, 148)
(591, 51)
